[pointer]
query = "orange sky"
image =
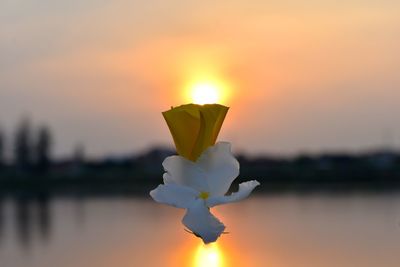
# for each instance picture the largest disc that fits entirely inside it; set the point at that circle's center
(303, 75)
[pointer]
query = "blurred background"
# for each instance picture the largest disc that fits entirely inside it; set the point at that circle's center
(313, 89)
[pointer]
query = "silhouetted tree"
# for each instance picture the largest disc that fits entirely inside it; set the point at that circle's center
(23, 146)
(2, 148)
(43, 149)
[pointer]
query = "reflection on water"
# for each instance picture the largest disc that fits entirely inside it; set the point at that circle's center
(30, 216)
(208, 256)
(274, 231)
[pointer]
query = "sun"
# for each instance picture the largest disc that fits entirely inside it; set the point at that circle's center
(207, 89)
(205, 93)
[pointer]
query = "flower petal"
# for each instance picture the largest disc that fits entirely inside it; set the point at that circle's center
(175, 195)
(202, 223)
(220, 166)
(167, 178)
(244, 191)
(184, 172)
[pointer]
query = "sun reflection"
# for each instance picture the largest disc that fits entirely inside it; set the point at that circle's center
(208, 256)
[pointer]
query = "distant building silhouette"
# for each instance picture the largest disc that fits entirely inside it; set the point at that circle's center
(43, 149)
(23, 146)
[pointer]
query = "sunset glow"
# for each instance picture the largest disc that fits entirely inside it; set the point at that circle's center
(118, 63)
(208, 256)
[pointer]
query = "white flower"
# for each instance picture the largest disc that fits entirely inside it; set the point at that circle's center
(198, 186)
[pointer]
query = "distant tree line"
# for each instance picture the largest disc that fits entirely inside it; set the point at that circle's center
(30, 148)
(28, 153)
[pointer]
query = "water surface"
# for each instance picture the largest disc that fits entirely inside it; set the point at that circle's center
(281, 230)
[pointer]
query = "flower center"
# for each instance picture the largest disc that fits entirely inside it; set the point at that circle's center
(204, 195)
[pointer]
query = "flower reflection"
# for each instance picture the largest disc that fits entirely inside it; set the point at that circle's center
(208, 256)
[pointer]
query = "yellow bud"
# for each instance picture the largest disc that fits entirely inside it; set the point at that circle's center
(194, 128)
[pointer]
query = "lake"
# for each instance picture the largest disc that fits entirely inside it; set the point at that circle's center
(274, 230)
